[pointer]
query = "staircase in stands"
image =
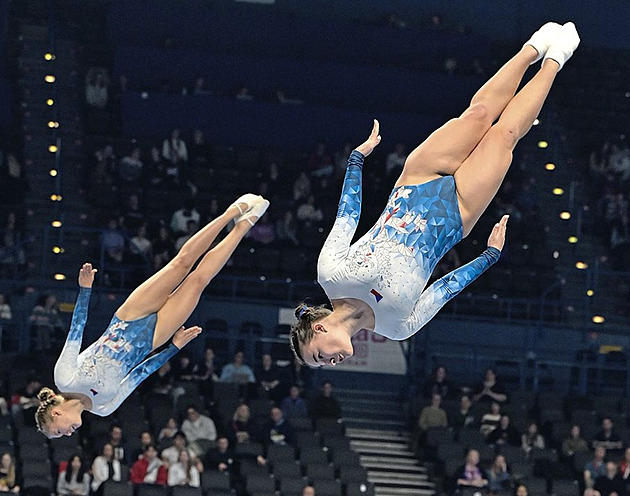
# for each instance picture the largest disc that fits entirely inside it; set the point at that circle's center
(378, 431)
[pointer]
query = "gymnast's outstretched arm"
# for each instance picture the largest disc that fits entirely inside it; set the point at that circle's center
(446, 288)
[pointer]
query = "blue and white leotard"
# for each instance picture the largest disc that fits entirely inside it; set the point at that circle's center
(389, 266)
(111, 368)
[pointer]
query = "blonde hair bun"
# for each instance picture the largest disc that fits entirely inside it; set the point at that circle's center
(45, 394)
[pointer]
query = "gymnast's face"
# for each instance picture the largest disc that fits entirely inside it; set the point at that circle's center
(328, 346)
(64, 423)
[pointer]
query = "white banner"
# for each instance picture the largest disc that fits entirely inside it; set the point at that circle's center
(375, 353)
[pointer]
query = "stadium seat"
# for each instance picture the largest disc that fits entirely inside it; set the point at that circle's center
(280, 453)
(360, 489)
(292, 486)
(563, 487)
(112, 488)
(286, 470)
(318, 472)
(151, 490)
(185, 491)
(327, 488)
(260, 484)
(346, 458)
(212, 480)
(251, 467)
(313, 455)
(352, 474)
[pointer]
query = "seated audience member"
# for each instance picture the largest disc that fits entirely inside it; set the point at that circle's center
(140, 246)
(5, 309)
(75, 479)
(490, 420)
(499, 479)
(607, 437)
(198, 426)
(184, 369)
(278, 431)
(104, 468)
(325, 405)
(595, 467)
(463, 417)
(490, 389)
(268, 377)
(574, 443)
(432, 415)
(624, 466)
(242, 425)
(293, 406)
(170, 455)
(167, 433)
(191, 229)
(532, 439)
(174, 146)
(308, 491)
(183, 472)
(113, 242)
(24, 402)
(205, 370)
(220, 457)
(521, 490)
(8, 482)
(611, 483)
(131, 169)
(116, 439)
(181, 217)
(146, 438)
(471, 474)
(149, 469)
(163, 248)
(438, 383)
(504, 434)
(237, 371)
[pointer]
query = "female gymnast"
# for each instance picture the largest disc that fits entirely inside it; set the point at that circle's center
(102, 376)
(447, 182)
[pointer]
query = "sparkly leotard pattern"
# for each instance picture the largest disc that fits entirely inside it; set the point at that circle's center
(389, 266)
(111, 368)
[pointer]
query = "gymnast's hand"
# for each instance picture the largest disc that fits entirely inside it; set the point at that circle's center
(184, 336)
(372, 142)
(497, 236)
(86, 275)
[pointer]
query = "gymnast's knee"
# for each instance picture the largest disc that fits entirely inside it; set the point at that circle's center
(182, 260)
(478, 112)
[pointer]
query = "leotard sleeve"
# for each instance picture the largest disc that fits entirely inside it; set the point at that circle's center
(338, 241)
(446, 288)
(133, 379)
(67, 361)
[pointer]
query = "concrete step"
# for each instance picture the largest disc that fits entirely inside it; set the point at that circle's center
(365, 445)
(367, 423)
(376, 434)
(405, 463)
(402, 491)
(390, 482)
(395, 476)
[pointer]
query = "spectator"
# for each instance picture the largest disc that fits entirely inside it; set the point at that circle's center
(74, 479)
(432, 415)
(471, 474)
(244, 95)
(532, 439)
(220, 457)
(268, 377)
(116, 439)
(24, 402)
(113, 242)
(504, 434)
(174, 148)
(163, 248)
(464, 417)
(491, 420)
(156, 167)
(196, 427)
(308, 491)
(140, 247)
(438, 383)
(325, 405)
(131, 169)
(499, 479)
(104, 468)
(607, 437)
(574, 443)
(45, 322)
(96, 88)
(145, 439)
(183, 472)
(5, 309)
(205, 370)
(106, 155)
(134, 216)
(169, 430)
(286, 228)
(184, 369)
(624, 466)
(595, 468)
(7, 474)
(301, 187)
(149, 469)
(293, 406)
(491, 389)
(278, 430)
(237, 371)
(199, 150)
(308, 212)
(395, 161)
(170, 455)
(611, 483)
(521, 490)
(191, 229)
(263, 232)
(242, 426)
(182, 217)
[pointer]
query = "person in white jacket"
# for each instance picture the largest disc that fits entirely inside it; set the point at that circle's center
(184, 472)
(196, 427)
(105, 467)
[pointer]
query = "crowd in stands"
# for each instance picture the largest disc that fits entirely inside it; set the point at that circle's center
(509, 440)
(609, 170)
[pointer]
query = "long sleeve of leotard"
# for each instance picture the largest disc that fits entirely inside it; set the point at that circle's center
(337, 243)
(67, 361)
(133, 379)
(444, 289)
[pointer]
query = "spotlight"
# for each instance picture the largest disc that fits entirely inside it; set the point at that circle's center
(58, 249)
(557, 191)
(550, 166)
(543, 144)
(573, 239)
(50, 102)
(59, 277)
(55, 197)
(48, 56)
(49, 78)
(53, 124)
(53, 148)
(598, 319)
(556, 254)
(53, 172)
(590, 292)
(565, 215)
(56, 223)
(581, 265)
